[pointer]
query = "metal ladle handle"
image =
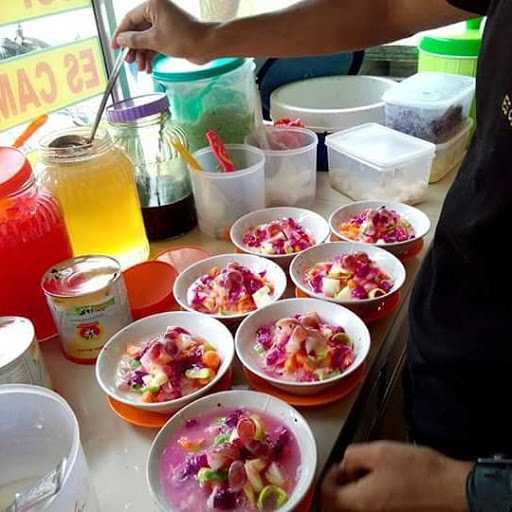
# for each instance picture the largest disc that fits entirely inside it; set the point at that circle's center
(110, 86)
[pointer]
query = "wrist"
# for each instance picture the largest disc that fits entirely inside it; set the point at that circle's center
(205, 45)
(454, 479)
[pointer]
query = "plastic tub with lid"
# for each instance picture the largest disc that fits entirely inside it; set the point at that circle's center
(431, 106)
(219, 96)
(330, 104)
(37, 434)
(373, 162)
(456, 54)
(450, 154)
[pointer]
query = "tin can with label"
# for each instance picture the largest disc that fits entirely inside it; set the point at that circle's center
(21, 361)
(88, 300)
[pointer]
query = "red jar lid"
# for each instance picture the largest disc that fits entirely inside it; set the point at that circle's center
(15, 170)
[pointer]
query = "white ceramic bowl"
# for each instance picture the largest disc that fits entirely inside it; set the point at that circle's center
(257, 264)
(199, 325)
(329, 312)
(313, 222)
(388, 263)
(418, 220)
(234, 399)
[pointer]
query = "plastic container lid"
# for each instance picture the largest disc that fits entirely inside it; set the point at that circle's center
(15, 170)
(379, 146)
(137, 108)
(461, 46)
(168, 69)
(325, 103)
(430, 90)
(149, 286)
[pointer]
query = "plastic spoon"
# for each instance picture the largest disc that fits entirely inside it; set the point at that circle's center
(30, 130)
(186, 155)
(219, 151)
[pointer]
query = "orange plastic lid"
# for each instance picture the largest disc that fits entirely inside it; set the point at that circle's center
(149, 286)
(328, 396)
(148, 419)
(15, 170)
(182, 257)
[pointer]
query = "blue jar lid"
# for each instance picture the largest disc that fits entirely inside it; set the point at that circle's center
(169, 69)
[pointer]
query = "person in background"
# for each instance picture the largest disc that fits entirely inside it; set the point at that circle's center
(459, 354)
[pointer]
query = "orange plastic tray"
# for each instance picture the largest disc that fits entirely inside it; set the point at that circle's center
(330, 395)
(146, 419)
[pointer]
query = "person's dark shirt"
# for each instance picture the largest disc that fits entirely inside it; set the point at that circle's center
(460, 349)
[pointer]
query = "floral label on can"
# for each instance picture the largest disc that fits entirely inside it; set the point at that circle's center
(85, 328)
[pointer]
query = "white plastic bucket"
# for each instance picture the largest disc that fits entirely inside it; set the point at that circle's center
(37, 430)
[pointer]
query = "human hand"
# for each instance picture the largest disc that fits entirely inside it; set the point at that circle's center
(394, 477)
(159, 26)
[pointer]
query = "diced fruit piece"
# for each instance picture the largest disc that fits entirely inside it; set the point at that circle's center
(253, 469)
(345, 294)
(222, 499)
(211, 359)
(134, 364)
(209, 475)
(330, 287)
(249, 493)
(342, 338)
(377, 292)
(246, 428)
(272, 498)
(262, 297)
(198, 373)
(237, 477)
(148, 397)
(158, 379)
(290, 365)
(221, 438)
(216, 460)
(133, 350)
(274, 475)
(260, 431)
(189, 445)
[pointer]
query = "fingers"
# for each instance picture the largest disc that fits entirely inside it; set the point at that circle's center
(136, 40)
(135, 19)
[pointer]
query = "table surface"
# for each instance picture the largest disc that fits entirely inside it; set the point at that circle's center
(116, 451)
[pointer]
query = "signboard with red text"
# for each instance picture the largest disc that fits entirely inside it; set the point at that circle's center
(49, 80)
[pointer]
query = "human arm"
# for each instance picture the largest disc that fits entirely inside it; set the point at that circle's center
(393, 477)
(310, 27)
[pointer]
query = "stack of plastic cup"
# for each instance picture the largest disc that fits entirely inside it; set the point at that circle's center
(223, 197)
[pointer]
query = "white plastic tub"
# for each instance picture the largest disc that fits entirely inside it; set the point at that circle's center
(373, 162)
(450, 154)
(223, 197)
(36, 433)
(290, 165)
(431, 106)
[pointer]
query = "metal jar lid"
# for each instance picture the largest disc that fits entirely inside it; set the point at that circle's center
(81, 276)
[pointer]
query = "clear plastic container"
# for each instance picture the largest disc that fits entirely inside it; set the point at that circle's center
(218, 96)
(39, 431)
(223, 197)
(290, 164)
(373, 162)
(95, 185)
(431, 106)
(450, 154)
